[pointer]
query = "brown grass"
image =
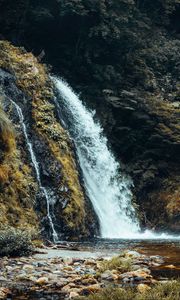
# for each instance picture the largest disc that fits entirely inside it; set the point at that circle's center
(121, 263)
(7, 134)
(166, 291)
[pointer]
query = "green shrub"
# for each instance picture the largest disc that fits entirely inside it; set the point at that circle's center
(15, 242)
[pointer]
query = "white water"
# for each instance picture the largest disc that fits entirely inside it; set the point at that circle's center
(108, 190)
(36, 168)
(110, 193)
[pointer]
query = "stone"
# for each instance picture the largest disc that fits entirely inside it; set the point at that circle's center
(78, 260)
(90, 280)
(90, 262)
(108, 92)
(139, 275)
(73, 295)
(138, 278)
(2, 278)
(68, 287)
(90, 289)
(28, 268)
(135, 267)
(126, 280)
(142, 273)
(32, 278)
(132, 254)
(90, 271)
(142, 288)
(109, 275)
(128, 93)
(76, 279)
(170, 267)
(4, 292)
(68, 268)
(42, 280)
(62, 282)
(145, 270)
(21, 277)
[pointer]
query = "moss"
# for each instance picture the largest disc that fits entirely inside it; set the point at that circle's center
(4, 173)
(17, 192)
(7, 134)
(32, 79)
(16, 182)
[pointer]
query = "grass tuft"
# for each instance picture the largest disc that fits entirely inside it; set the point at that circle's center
(162, 291)
(118, 262)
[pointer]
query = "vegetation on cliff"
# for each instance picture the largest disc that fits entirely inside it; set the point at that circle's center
(31, 78)
(7, 135)
(16, 182)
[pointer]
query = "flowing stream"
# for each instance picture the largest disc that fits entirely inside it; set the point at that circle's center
(36, 168)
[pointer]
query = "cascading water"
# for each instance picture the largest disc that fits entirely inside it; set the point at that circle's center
(109, 192)
(36, 168)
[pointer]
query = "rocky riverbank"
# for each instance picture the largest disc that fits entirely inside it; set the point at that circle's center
(40, 277)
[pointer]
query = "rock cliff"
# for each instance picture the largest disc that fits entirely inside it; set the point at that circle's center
(25, 81)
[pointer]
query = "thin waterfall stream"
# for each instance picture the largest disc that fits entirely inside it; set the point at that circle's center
(37, 171)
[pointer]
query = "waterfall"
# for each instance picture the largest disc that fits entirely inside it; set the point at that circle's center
(37, 171)
(108, 190)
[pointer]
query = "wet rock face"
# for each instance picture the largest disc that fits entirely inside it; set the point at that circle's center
(54, 152)
(144, 133)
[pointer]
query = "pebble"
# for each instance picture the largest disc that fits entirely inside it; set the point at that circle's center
(170, 267)
(4, 292)
(107, 275)
(90, 289)
(132, 254)
(73, 295)
(28, 267)
(42, 280)
(142, 288)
